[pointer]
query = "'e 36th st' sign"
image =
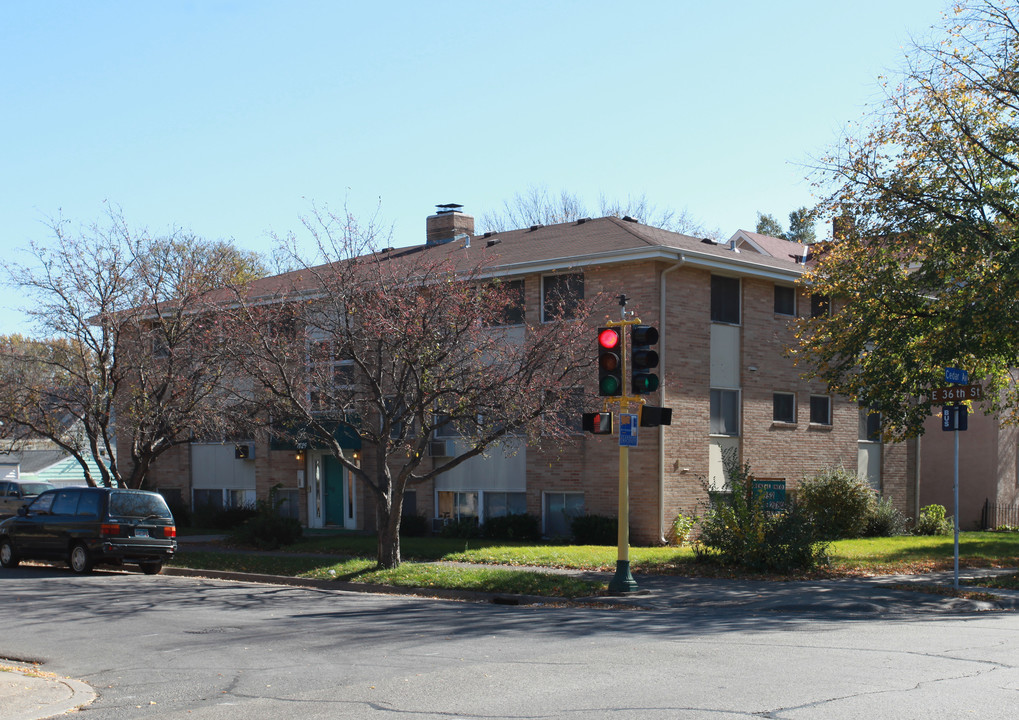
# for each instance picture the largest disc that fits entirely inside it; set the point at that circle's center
(957, 393)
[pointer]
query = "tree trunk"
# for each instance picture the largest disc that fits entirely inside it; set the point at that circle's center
(388, 523)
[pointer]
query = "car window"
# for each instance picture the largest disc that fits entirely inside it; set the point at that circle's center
(138, 504)
(35, 488)
(66, 502)
(3, 489)
(42, 504)
(88, 505)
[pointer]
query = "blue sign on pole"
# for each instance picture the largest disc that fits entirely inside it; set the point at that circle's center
(954, 417)
(627, 430)
(956, 376)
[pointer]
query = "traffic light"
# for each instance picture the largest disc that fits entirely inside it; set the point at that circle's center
(643, 359)
(610, 361)
(652, 416)
(598, 423)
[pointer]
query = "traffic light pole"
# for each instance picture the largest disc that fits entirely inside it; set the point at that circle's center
(622, 582)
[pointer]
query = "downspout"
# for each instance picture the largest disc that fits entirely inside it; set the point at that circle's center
(661, 428)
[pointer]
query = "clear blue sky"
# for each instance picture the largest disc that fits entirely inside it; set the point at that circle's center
(229, 117)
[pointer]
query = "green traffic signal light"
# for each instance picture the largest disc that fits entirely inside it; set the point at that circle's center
(643, 359)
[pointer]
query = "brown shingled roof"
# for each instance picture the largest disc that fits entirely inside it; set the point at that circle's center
(574, 244)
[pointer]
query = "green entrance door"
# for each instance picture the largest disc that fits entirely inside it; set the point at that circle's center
(333, 487)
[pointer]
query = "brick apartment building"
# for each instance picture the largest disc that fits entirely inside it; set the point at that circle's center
(725, 314)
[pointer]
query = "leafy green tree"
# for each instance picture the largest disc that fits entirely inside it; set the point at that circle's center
(768, 225)
(801, 226)
(925, 263)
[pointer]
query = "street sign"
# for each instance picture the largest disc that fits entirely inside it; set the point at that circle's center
(956, 376)
(954, 417)
(957, 393)
(627, 430)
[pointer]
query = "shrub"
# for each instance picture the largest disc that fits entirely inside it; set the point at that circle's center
(682, 524)
(265, 529)
(465, 527)
(521, 526)
(885, 520)
(737, 531)
(933, 521)
(414, 525)
(836, 502)
(595, 530)
(268, 531)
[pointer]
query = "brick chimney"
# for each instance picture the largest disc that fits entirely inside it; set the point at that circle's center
(448, 222)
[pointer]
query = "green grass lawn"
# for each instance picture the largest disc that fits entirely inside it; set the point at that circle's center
(348, 556)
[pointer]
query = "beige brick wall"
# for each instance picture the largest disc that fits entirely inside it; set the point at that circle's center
(589, 464)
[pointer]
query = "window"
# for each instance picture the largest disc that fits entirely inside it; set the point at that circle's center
(410, 503)
(288, 503)
(785, 300)
(560, 296)
(783, 407)
(870, 425)
(397, 414)
(88, 505)
(560, 510)
(445, 428)
(570, 414)
(513, 312)
(501, 504)
(66, 502)
(820, 410)
(458, 505)
(819, 305)
(724, 299)
(328, 374)
(208, 500)
(725, 412)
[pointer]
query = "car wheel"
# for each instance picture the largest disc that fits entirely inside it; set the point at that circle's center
(151, 568)
(79, 559)
(7, 556)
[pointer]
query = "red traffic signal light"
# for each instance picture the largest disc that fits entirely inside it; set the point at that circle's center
(643, 359)
(610, 363)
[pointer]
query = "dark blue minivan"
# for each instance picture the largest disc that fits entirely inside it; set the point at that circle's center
(87, 526)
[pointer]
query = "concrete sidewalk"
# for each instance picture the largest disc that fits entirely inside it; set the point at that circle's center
(30, 694)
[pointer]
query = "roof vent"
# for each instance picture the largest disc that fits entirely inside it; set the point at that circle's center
(581, 221)
(709, 241)
(447, 208)
(386, 250)
(627, 218)
(535, 227)
(489, 233)
(493, 241)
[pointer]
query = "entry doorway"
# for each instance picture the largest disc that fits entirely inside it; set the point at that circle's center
(331, 496)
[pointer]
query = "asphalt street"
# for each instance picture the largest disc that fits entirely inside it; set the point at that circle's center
(187, 647)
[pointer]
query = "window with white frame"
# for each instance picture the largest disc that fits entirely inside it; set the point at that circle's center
(513, 312)
(561, 295)
(725, 299)
(724, 408)
(783, 407)
(561, 508)
(330, 376)
(785, 300)
(501, 504)
(820, 410)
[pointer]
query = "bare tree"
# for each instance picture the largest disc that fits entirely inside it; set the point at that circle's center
(128, 357)
(538, 206)
(392, 346)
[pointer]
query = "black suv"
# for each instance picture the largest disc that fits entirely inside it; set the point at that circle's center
(88, 526)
